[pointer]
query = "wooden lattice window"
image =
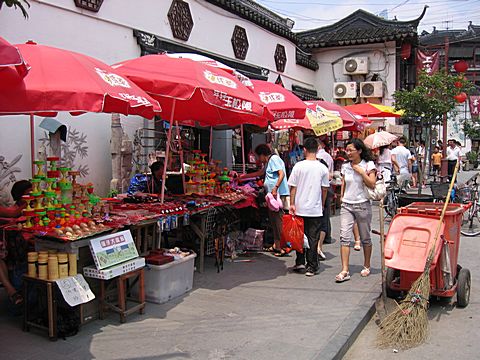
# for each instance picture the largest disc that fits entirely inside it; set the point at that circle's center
(280, 58)
(180, 19)
(240, 42)
(92, 5)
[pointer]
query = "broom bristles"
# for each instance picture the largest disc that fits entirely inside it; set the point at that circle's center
(408, 325)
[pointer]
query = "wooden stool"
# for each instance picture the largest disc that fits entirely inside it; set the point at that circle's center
(123, 289)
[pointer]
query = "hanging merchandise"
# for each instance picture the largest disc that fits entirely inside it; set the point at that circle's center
(252, 159)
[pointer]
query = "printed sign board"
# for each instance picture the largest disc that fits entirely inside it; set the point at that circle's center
(113, 249)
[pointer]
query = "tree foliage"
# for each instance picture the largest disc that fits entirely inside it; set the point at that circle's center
(432, 97)
(17, 4)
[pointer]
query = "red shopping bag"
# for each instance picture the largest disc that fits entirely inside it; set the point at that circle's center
(292, 232)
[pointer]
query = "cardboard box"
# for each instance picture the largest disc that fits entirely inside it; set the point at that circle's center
(114, 271)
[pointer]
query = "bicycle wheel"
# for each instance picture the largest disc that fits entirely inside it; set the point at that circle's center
(390, 203)
(471, 221)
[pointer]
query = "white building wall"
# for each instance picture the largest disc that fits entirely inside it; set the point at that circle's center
(381, 61)
(108, 36)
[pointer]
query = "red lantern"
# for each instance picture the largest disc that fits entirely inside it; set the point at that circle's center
(460, 66)
(458, 84)
(406, 51)
(460, 98)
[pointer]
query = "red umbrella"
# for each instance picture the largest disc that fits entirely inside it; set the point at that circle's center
(281, 102)
(206, 94)
(62, 80)
(285, 124)
(347, 117)
(10, 56)
(374, 110)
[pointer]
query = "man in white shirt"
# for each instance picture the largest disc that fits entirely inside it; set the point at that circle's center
(309, 184)
(454, 154)
(324, 156)
(402, 162)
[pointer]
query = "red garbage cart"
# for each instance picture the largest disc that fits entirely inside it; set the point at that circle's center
(408, 243)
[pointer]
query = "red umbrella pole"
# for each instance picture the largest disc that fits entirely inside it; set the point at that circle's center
(32, 143)
(211, 143)
(181, 156)
(167, 151)
(243, 149)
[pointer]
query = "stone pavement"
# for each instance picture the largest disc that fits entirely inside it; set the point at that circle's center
(251, 310)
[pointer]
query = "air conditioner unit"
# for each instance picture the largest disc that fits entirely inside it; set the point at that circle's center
(355, 66)
(371, 89)
(343, 90)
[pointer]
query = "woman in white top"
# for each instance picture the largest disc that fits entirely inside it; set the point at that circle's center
(384, 162)
(358, 174)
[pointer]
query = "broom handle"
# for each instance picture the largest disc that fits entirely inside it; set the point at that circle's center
(440, 222)
(382, 249)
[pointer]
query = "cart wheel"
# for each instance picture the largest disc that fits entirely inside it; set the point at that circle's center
(389, 278)
(463, 288)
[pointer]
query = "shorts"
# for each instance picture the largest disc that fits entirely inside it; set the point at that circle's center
(436, 167)
(414, 169)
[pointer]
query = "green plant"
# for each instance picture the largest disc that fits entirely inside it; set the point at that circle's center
(472, 157)
(113, 193)
(16, 4)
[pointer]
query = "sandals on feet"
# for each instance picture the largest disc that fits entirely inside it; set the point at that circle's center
(357, 246)
(342, 276)
(16, 298)
(365, 272)
(280, 253)
(269, 249)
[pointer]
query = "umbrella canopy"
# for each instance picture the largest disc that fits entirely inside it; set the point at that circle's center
(214, 63)
(282, 103)
(284, 124)
(207, 95)
(62, 80)
(374, 110)
(10, 56)
(347, 117)
(320, 121)
(378, 139)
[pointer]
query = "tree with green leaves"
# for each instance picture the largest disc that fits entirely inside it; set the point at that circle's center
(430, 100)
(16, 4)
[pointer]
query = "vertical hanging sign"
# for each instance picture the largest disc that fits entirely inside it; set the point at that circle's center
(474, 106)
(428, 61)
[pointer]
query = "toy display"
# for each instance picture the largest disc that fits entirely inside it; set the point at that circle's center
(58, 206)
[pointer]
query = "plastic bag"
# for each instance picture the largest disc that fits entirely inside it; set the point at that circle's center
(292, 232)
(306, 245)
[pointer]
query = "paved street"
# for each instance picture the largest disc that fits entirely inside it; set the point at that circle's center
(252, 310)
(453, 330)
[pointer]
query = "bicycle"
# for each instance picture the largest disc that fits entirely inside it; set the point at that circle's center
(390, 201)
(471, 217)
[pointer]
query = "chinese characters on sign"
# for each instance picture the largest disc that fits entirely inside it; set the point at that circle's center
(232, 102)
(268, 98)
(138, 99)
(323, 122)
(112, 79)
(428, 61)
(278, 115)
(475, 107)
(220, 80)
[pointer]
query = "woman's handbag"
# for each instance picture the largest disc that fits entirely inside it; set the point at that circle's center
(379, 191)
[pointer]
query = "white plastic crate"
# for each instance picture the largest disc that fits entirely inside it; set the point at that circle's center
(166, 282)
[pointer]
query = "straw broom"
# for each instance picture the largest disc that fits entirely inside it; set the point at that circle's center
(408, 325)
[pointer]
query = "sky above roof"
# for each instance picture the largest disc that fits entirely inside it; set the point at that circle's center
(443, 14)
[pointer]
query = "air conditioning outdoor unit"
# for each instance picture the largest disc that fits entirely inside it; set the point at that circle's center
(355, 66)
(371, 89)
(344, 90)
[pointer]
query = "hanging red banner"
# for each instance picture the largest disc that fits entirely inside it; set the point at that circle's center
(474, 106)
(428, 61)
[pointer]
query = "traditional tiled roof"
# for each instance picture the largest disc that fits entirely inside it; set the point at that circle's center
(251, 11)
(437, 37)
(360, 27)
